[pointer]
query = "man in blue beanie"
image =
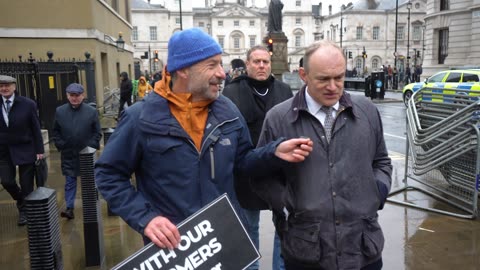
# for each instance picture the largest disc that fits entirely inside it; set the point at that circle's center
(183, 142)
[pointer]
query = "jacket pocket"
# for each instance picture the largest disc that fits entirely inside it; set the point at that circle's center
(301, 243)
(372, 238)
(162, 145)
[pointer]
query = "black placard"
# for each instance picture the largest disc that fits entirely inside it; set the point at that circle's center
(212, 239)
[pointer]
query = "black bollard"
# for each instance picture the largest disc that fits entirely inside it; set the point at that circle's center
(43, 230)
(92, 219)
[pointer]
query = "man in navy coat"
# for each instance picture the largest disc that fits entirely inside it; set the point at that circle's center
(21, 143)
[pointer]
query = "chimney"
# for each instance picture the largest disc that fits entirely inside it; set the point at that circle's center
(320, 8)
(329, 10)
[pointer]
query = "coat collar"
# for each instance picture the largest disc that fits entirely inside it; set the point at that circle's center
(299, 104)
(156, 113)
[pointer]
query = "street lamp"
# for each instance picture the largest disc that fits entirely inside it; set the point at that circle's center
(119, 43)
(409, 6)
(396, 34)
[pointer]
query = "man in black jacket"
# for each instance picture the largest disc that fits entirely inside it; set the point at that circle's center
(254, 94)
(21, 143)
(126, 89)
(76, 126)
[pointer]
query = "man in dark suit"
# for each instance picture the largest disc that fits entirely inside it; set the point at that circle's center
(21, 143)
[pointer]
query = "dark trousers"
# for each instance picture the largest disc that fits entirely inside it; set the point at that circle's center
(122, 104)
(8, 175)
(293, 266)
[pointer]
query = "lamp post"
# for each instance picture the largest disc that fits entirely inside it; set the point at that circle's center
(181, 22)
(341, 25)
(423, 41)
(409, 6)
(396, 34)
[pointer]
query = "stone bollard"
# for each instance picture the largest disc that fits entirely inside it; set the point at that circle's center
(43, 230)
(92, 217)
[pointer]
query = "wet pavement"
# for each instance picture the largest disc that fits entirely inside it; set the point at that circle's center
(415, 239)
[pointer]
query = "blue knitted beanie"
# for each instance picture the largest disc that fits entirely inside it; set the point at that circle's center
(190, 46)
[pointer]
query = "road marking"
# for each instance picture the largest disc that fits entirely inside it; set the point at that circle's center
(395, 155)
(394, 136)
(423, 229)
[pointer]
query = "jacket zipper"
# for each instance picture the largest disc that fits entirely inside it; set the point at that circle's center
(212, 163)
(212, 156)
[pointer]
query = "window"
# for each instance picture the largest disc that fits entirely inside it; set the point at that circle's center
(201, 24)
(376, 32)
(135, 33)
(436, 78)
(444, 5)
(153, 33)
(400, 32)
(298, 3)
(236, 42)
(252, 41)
(469, 77)
(252, 23)
(236, 23)
(177, 21)
(298, 21)
(359, 32)
(443, 45)
(359, 63)
(298, 40)
(318, 36)
(374, 63)
(220, 23)
(221, 41)
(454, 77)
(416, 33)
(115, 5)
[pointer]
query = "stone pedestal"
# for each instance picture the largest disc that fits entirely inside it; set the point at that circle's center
(280, 54)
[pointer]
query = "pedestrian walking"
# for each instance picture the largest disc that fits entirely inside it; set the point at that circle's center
(325, 209)
(76, 126)
(126, 89)
(21, 143)
(254, 94)
(183, 143)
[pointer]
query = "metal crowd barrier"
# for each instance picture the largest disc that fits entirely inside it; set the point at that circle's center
(442, 150)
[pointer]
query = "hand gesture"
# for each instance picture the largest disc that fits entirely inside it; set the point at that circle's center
(294, 150)
(162, 232)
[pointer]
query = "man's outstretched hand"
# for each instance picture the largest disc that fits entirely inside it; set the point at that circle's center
(294, 150)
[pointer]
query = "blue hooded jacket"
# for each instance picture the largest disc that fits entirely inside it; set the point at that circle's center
(174, 179)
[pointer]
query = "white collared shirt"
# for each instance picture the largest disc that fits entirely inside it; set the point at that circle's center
(4, 109)
(314, 108)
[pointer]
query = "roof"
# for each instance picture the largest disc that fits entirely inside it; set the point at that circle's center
(376, 4)
(142, 4)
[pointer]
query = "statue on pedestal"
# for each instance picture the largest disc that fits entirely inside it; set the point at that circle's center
(275, 16)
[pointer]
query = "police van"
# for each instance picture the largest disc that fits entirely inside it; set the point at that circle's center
(468, 79)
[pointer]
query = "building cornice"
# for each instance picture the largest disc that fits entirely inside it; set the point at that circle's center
(58, 33)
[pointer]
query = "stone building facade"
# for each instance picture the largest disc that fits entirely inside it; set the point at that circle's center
(368, 24)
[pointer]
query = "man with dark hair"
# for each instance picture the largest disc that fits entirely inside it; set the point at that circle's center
(126, 89)
(184, 143)
(254, 94)
(21, 143)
